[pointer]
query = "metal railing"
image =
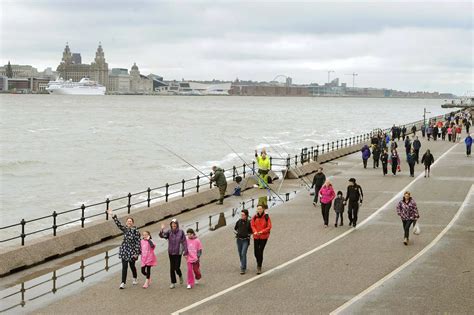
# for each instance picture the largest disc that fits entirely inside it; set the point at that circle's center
(178, 189)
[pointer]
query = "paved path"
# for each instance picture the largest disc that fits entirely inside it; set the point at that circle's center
(327, 277)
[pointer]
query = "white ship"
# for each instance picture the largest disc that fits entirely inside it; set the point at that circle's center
(83, 87)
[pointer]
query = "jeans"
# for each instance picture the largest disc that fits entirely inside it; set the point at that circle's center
(468, 150)
(125, 265)
(175, 267)
(417, 155)
(259, 246)
(325, 212)
(146, 271)
(352, 211)
(242, 247)
(339, 214)
(376, 163)
(384, 168)
(406, 227)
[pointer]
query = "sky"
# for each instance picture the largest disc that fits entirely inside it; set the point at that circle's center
(403, 45)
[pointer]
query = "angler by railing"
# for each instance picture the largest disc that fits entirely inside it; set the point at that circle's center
(178, 189)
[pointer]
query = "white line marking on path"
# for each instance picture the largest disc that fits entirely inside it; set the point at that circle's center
(409, 262)
(241, 284)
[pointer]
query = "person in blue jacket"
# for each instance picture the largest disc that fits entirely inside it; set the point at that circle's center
(365, 154)
(468, 142)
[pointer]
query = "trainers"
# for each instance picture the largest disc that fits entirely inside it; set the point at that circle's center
(314, 204)
(172, 286)
(135, 281)
(189, 287)
(196, 281)
(259, 270)
(242, 271)
(122, 286)
(181, 280)
(405, 241)
(146, 284)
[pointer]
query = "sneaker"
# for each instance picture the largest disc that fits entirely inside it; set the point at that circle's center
(135, 281)
(242, 271)
(314, 204)
(122, 286)
(181, 280)
(335, 225)
(172, 286)
(196, 281)
(189, 287)
(146, 284)
(259, 270)
(354, 225)
(405, 241)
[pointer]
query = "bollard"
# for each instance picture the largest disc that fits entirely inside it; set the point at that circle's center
(287, 195)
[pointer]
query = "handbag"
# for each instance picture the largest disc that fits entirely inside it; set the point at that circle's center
(399, 169)
(416, 229)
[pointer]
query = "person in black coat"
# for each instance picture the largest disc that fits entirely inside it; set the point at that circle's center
(318, 181)
(411, 159)
(407, 145)
(427, 159)
(384, 160)
(416, 147)
(376, 155)
(243, 231)
(354, 196)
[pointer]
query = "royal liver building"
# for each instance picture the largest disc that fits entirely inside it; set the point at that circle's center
(98, 70)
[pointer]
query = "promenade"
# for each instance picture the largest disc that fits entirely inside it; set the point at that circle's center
(315, 270)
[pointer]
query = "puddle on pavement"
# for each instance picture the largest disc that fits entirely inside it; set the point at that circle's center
(41, 287)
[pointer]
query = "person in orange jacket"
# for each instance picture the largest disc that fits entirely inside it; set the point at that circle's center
(261, 226)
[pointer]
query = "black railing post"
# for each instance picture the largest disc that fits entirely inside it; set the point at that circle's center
(317, 152)
(167, 194)
(129, 205)
(253, 167)
(271, 162)
(23, 235)
(332, 146)
(107, 204)
(83, 218)
(288, 161)
(210, 182)
(197, 226)
(243, 170)
(233, 173)
(253, 203)
(311, 156)
(337, 144)
(197, 183)
(296, 160)
(322, 152)
(54, 223)
(328, 147)
(183, 182)
(210, 221)
(287, 197)
(148, 199)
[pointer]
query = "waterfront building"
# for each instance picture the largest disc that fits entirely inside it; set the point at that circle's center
(139, 83)
(20, 71)
(119, 81)
(97, 70)
(76, 58)
(3, 83)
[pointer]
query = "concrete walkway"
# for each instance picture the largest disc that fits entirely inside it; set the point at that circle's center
(328, 275)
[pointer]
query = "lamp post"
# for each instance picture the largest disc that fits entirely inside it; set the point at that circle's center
(424, 116)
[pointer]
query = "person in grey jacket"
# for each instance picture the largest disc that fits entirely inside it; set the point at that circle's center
(221, 182)
(339, 207)
(176, 247)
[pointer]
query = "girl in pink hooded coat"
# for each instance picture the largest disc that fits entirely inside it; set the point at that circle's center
(148, 257)
(326, 195)
(192, 258)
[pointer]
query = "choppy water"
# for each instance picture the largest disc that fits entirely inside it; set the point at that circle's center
(58, 152)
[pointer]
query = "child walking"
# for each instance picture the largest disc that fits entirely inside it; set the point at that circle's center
(339, 207)
(148, 257)
(192, 258)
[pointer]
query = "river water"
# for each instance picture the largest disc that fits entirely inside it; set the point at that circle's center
(58, 152)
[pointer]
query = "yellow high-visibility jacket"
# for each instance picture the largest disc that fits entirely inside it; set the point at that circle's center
(263, 164)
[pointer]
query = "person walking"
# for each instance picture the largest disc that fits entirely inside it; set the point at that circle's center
(416, 147)
(407, 145)
(354, 196)
(365, 154)
(467, 124)
(458, 133)
(221, 182)
(148, 257)
(429, 132)
(339, 208)
(413, 129)
(194, 247)
(263, 162)
(411, 159)
(318, 182)
(427, 160)
(395, 161)
(384, 160)
(261, 227)
(326, 195)
(243, 231)
(376, 155)
(435, 132)
(129, 249)
(408, 212)
(177, 246)
(423, 130)
(450, 133)
(468, 142)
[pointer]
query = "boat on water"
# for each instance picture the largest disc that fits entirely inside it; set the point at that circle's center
(83, 87)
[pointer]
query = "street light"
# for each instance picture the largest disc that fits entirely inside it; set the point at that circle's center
(424, 116)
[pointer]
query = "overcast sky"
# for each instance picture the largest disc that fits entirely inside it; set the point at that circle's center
(426, 45)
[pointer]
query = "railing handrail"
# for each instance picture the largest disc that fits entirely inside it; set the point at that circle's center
(181, 187)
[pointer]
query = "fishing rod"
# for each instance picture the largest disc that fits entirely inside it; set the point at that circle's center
(256, 173)
(300, 175)
(182, 159)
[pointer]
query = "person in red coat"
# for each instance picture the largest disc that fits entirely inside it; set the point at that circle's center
(261, 226)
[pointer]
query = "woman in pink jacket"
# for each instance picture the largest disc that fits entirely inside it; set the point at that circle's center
(326, 195)
(148, 257)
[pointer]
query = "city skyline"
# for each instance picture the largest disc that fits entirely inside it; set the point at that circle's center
(390, 45)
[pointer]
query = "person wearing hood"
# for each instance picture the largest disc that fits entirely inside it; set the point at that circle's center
(365, 154)
(427, 160)
(407, 145)
(194, 247)
(468, 142)
(176, 247)
(384, 160)
(408, 212)
(221, 182)
(395, 161)
(263, 162)
(411, 160)
(354, 196)
(130, 248)
(261, 227)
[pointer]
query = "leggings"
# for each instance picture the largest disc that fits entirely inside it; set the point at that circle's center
(125, 267)
(259, 247)
(325, 212)
(146, 271)
(406, 227)
(175, 267)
